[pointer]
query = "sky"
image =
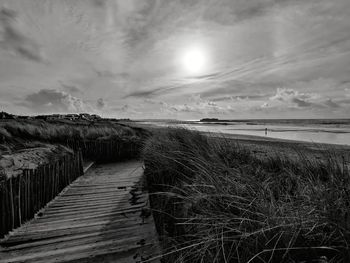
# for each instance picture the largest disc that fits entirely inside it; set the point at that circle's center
(176, 59)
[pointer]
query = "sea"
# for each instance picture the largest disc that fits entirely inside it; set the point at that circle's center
(331, 131)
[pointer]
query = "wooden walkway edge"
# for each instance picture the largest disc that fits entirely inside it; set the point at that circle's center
(103, 216)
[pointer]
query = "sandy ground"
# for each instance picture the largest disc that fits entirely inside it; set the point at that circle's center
(266, 146)
(285, 147)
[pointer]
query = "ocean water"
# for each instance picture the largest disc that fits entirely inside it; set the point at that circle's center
(318, 131)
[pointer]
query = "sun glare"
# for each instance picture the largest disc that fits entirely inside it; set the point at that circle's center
(194, 60)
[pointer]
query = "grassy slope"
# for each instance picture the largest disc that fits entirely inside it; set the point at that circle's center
(21, 134)
(218, 202)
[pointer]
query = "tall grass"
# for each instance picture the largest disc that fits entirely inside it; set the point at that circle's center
(214, 201)
(46, 131)
(22, 134)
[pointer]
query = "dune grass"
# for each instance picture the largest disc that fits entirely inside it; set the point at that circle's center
(214, 201)
(22, 134)
(53, 131)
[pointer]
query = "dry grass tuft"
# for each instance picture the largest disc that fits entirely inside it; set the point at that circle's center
(21, 134)
(216, 202)
(47, 131)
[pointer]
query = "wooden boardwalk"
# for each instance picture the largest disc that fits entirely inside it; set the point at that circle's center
(103, 216)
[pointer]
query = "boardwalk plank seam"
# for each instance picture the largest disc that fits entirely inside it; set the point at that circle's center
(108, 227)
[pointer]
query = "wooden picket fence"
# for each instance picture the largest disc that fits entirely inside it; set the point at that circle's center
(24, 195)
(107, 150)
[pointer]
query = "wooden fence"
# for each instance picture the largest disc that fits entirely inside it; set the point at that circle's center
(24, 195)
(107, 150)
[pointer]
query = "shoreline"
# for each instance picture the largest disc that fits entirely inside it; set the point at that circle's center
(247, 137)
(267, 146)
(250, 138)
(153, 126)
(272, 147)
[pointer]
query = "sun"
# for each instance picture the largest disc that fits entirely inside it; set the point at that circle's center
(194, 60)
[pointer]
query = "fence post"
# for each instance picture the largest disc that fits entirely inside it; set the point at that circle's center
(19, 200)
(3, 192)
(12, 205)
(25, 195)
(21, 197)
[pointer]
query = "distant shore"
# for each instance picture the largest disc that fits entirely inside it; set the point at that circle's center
(267, 145)
(264, 145)
(319, 131)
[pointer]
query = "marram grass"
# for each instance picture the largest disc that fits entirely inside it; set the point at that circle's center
(214, 201)
(58, 131)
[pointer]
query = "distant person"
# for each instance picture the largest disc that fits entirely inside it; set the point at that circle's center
(265, 131)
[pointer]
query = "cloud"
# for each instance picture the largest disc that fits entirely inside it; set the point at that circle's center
(14, 40)
(227, 12)
(347, 92)
(50, 100)
(131, 50)
(331, 104)
(151, 92)
(294, 97)
(239, 98)
(125, 110)
(99, 3)
(290, 100)
(142, 94)
(69, 88)
(301, 103)
(110, 74)
(200, 109)
(284, 94)
(100, 103)
(154, 102)
(206, 77)
(200, 106)
(232, 87)
(265, 105)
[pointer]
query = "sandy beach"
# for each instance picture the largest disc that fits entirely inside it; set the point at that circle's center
(263, 145)
(290, 148)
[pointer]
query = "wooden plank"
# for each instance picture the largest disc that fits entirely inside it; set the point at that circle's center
(102, 204)
(122, 245)
(91, 209)
(77, 223)
(92, 218)
(104, 200)
(128, 226)
(82, 238)
(95, 218)
(97, 213)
